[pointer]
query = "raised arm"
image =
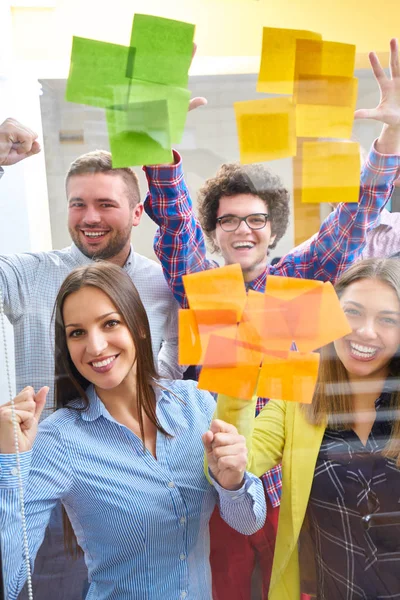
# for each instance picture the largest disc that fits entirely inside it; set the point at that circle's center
(179, 242)
(17, 142)
(343, 234)
(265, 435)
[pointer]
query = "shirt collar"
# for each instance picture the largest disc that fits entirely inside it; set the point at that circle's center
(97, 409)
(82, 259)
(386, 218)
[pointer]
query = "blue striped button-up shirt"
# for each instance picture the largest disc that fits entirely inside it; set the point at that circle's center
(142, 522)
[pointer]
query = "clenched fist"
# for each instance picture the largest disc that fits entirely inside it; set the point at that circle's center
(226, 454)
(16, 142)
(28, 408)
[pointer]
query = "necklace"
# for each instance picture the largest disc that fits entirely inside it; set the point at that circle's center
(17, 454)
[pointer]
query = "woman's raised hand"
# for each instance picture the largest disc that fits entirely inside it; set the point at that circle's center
(28, 408)
(226, 454)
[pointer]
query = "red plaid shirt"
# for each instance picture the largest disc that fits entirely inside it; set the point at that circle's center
(180, 246)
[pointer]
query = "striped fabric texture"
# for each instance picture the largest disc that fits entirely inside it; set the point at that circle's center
(142, 522)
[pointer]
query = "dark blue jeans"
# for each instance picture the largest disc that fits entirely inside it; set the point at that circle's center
(55, 574)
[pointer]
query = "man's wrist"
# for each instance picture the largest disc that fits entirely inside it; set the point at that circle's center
(389, 140)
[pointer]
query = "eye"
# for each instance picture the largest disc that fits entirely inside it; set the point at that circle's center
(76, 333)
(352, 312)
(76, 205)
(257, 219)
(106, 205)
(111, 323)
(226, 220)
(389, 321)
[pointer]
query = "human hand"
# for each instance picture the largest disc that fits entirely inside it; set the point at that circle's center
(199, 100)
(388, 109)
(28, 407)
(226, 454)
(16, 142)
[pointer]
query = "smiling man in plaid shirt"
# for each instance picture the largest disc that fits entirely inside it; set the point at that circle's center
(244, 212)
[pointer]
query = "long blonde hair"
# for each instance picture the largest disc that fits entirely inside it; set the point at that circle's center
(332, 397)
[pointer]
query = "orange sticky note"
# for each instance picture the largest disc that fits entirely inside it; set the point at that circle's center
(288, 288)
(292, 379)
(217, 289)
(239, 382)
(229, 352)
(266, 129)
(278, 56)
(264, 325)
(330, 172)
(317, 318)
(196, 328)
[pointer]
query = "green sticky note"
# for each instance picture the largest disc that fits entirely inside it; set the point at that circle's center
(97, 75)
(139, 134)
(177, 100)
(163, 50)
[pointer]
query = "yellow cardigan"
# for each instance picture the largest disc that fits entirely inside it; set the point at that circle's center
(280, 434)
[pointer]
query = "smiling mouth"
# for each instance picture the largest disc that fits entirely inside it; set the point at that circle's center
(93, 235)
(360, 351)
(104, 365)
(243, 245)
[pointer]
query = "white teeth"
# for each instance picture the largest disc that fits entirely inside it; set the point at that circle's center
(363, 351)
(104, 363)
(243, 245)
(94, 234)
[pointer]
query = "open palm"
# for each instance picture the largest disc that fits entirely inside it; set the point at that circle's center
(388, 109)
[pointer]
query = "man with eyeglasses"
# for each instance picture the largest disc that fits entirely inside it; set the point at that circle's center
(244, 211)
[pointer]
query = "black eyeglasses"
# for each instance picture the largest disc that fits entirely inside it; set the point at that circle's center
(232, 222)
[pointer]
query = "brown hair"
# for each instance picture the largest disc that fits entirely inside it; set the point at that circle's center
(70, 384)
(100, 161)
(332, 397)
(233, 179)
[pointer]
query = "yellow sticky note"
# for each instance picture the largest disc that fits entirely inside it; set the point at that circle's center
(326, 89)
(278, 57)
(266, 129)
(318, 120)
(330, 172)
(318, 57)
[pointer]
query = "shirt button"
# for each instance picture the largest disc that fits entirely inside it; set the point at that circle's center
(182, 556)
(14, 471)
(182, 521)
(171, 484)
(183, 595)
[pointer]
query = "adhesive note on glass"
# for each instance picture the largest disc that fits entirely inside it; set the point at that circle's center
(97, 75)
(163, 49)
(278, 56)
(139, 134)
(266, 129)
(330, 172)
(292, 379)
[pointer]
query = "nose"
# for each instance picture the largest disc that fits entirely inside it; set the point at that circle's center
(243, 228)
(96, 343)
(367, 330)
(91, 216)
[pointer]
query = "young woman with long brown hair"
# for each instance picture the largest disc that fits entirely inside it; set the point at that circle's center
(123, 453)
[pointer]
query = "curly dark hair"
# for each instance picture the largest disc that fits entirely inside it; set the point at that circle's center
(233, 179)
